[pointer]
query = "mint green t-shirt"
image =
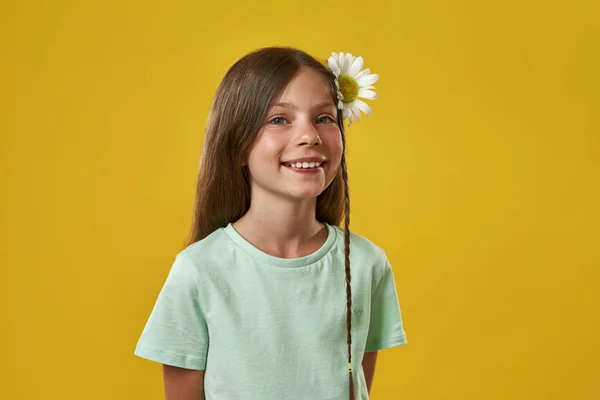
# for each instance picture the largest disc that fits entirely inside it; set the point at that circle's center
(269, 328)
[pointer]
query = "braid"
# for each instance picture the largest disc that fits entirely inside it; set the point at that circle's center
(348, 276)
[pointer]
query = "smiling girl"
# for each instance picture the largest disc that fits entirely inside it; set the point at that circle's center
(272, 299)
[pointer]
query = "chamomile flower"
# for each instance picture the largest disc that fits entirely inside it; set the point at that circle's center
(352, 83)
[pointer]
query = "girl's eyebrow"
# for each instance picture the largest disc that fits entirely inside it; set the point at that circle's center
(293, 107)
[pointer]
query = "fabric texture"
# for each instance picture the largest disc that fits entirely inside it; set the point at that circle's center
(270, 328)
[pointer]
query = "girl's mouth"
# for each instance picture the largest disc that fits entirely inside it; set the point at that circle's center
(306, 167)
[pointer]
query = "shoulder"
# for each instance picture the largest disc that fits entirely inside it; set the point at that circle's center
(210, 245)
(204, 253)
(363, 251)
(360, 244)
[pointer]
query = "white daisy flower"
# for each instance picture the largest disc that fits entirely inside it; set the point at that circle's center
(352, 83)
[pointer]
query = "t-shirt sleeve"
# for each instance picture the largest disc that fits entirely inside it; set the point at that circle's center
(176, 332)
(385, 326)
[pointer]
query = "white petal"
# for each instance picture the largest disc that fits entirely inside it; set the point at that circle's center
(349, 61)
(368, 80)
(346, 113)
(362, 73)
(342, 63)
(368, 87)
(335, 70)
(355, 67)
(336, 57)
(341, 60)
(356, 111)
(332, 62)
(364, 107)
(367, 94)
(341, 105)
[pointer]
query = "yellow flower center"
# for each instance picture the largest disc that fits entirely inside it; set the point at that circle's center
(348, 88)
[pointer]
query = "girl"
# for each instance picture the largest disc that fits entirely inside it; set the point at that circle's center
(270, 299)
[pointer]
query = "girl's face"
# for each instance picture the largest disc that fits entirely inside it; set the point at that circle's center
(301, 127)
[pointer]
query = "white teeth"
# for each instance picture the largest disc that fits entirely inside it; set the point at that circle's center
(305, 164)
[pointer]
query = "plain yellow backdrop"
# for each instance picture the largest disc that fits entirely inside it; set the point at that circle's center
(478, 172)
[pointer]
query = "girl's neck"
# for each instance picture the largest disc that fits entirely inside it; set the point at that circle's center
(290, 233)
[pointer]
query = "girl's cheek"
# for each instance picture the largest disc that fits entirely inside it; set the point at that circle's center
(337, 148)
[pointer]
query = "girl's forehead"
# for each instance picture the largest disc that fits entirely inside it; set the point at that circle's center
(306, 85)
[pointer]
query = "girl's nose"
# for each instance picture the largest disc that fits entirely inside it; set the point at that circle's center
(308, 135)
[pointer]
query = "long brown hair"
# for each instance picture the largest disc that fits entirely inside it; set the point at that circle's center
(237, 114)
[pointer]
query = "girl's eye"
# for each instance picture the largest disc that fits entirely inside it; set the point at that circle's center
(325, 119)
(277, 121)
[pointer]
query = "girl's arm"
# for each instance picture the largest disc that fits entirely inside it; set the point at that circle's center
(183, 384)
(368, 364)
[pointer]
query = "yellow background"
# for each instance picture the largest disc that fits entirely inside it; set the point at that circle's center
(478, 172)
